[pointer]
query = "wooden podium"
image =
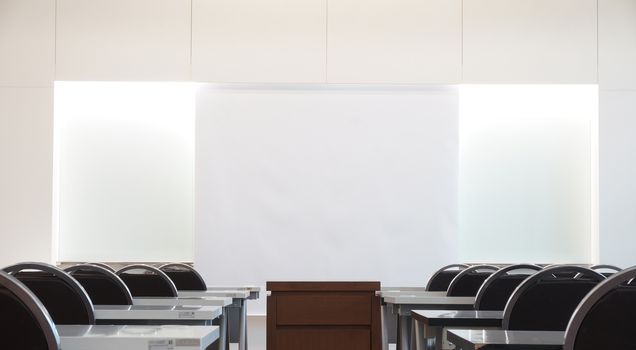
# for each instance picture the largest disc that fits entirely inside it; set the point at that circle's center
(323, 316)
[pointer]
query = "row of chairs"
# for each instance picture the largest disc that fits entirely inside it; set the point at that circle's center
(34, 297)
(596, 306)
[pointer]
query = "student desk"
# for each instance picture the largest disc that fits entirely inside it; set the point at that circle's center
(485, 339)
(156, 314)
(428, 324)
(254, 291)
(224, 302)
(401, 305)
(239, 302)
(179, 301)
(76, 337)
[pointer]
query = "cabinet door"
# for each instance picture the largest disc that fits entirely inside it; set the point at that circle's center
(394, 41)
(128, 40)
(266, 41)
(530, 41)
(27, 42)
(617, 44)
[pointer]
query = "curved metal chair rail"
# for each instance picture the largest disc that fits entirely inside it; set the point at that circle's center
(591, 299)
(499, 273)
(447, 267)
(153, 270)
(468, 270)
(605, 267)
(103, 271)
(546, 272)
(38, 311)
(185, 267)
(75, 285)
(106, 266)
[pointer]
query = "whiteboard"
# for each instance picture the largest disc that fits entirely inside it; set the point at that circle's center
(325, 183)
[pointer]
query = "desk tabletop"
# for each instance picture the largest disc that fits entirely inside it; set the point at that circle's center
(156, 312)
(413, 299)
(420, 293)
(235, 294)
(476, 339)
(203, 301)
(103, 337)
(459, 318)
(247, 288)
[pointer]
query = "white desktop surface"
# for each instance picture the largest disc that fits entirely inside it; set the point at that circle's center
(83, 337)
(192, 300)
(414, 298)
(389, 293)
(247, 288)
(237, 294)
(156, 312)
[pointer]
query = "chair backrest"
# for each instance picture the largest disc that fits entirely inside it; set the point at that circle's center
(184, 276)
(25, 323)
(606, 270)
(147, 281)
(497, 289)
(106, 266)
(103, 286)
(468, 281)
(64, 298)
(441, 279)
(606, 318)
(545, 302)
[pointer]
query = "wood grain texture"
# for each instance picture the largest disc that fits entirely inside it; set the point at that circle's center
(323, 315)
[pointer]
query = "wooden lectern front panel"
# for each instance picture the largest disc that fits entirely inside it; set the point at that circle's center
(323, 315)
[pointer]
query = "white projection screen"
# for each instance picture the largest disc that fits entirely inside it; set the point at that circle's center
(325, 183)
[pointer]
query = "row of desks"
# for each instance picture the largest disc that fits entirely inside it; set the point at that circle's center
(141, 325)
(423, 315)
(402, 302)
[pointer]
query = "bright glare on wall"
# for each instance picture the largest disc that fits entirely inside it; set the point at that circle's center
(528, 173)
(124, 159)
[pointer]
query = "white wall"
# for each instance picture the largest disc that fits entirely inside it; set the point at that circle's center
(547, 41)
(325, 183)
(27, 36)
(617, 78)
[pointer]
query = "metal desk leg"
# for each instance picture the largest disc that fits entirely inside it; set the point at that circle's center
(439, 338)
(223, 331)
(420, 339)
(385, 326)
(404, 332)
(243, 326)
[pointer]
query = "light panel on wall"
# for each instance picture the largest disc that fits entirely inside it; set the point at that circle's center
(124, 171)
(528, 174)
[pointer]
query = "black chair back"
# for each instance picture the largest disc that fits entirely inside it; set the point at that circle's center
(606, 270)
(545, 302)
(103, 286)
(106, 266)
(185, 277)
(25, 323)
(64, 298)
(605, 319)
(468, 281)
(147, 281)
(443, 277)
(497, 289)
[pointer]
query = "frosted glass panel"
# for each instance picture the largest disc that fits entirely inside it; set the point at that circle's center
(527, 173)
(126, 171)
